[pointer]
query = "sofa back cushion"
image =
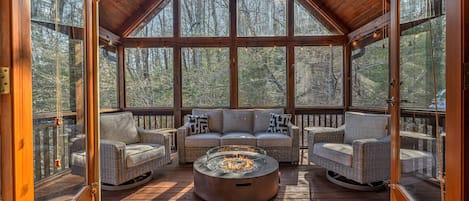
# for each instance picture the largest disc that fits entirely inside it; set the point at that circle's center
(215, 118)
(262, 118)
(363, 126)
(119, 126)
(238, 121)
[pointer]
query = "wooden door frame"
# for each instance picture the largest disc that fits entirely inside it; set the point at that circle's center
(457, 54)
(16, 118)
(457, 103)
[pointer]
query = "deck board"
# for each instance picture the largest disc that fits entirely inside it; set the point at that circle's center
(175, 182)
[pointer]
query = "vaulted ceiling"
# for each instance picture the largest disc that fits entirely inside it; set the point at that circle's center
(120, 16)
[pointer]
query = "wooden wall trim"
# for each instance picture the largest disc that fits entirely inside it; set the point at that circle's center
(16, 121)
(236, 41)
(347, 85)
(121, 76)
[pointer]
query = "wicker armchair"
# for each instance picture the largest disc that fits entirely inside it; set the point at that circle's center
(126, 152)
(358, 150)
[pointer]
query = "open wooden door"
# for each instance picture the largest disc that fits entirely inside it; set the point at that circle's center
(441, 175)
(33, 141)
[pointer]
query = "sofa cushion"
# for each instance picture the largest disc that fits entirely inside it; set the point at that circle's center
(262, 118)
(238, 138)
(412, 160)
(363, 126)
(279, 123)
(215, 118)
(140, 153)
(273, 140)
(238, 121)
(203, 140)
(119, 126)
(197, 124)
(340, 153)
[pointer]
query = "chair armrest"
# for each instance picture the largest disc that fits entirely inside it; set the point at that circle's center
(372, 156)
(181, 135)
(325, 135)
(112, 154)
(294, 133)
(153, 136)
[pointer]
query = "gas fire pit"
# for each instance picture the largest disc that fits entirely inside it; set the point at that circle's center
(236, 172)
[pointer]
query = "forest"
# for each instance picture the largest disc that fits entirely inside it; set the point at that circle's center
(261, 71)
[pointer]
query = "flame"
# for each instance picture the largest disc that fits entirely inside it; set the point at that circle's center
(236, 162)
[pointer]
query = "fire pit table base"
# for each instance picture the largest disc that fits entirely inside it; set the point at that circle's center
(214, 182)
(253, 189)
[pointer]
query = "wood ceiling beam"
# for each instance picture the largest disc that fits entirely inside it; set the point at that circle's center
(369, 28)
(147, 10)
(109, 36)
(325, 15)
(379, 23)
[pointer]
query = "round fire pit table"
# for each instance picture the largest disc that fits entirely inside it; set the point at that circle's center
(237, 173)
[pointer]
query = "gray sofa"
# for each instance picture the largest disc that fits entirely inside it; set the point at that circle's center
(238, 127)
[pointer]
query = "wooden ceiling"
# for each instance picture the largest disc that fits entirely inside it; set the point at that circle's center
(120, 16)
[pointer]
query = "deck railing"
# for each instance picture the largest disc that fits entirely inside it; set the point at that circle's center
(51, 145)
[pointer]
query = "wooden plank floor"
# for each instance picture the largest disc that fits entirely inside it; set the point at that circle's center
(175, 182)
(298, 183)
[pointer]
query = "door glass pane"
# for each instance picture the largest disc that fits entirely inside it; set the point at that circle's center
(58, 109)
(423, 98)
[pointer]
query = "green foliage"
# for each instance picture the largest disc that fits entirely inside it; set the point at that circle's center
(205, 77)
(262, 76)
(318, 76)
(149, 77)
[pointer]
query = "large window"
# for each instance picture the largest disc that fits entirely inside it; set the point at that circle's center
(370, 74)
(206, 77)
(306, 23)
(159, 26)
(149, 77)
(205, 18)
(108, 89)
(261, 76)
(262, 18)
(318, 76)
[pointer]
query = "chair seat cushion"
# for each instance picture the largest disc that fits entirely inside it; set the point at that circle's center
(137, 154)
(78, 158)
(238, 139)
(340, 153)
(412, 160)
(203, 140)
(273, 140)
